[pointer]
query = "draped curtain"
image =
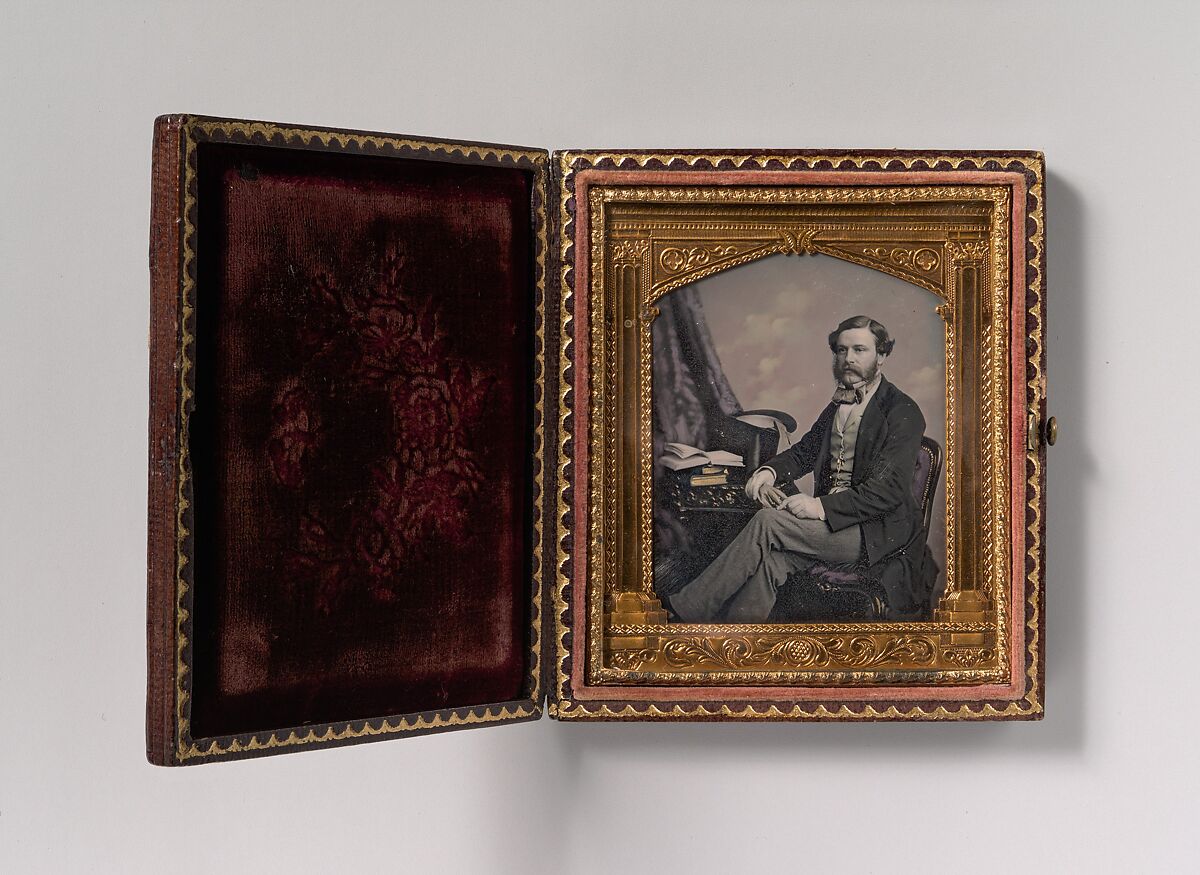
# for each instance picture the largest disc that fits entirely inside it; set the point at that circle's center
(691, 396)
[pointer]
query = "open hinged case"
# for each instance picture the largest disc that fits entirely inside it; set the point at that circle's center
(440, 431)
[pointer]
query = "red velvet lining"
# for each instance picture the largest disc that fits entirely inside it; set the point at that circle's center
(362, 437)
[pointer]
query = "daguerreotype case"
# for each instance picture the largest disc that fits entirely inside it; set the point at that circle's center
(443, 433)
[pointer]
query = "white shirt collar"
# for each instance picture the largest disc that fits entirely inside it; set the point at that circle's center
(845, 411)
(868, 390)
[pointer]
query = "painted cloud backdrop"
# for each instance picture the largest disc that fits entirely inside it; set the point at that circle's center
(770, 320)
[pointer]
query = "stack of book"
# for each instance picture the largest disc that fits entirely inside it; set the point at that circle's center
(711, 467)
(710, 475)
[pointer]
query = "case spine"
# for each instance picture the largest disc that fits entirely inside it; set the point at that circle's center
(549, 389)
(165, 267)
(551, 358)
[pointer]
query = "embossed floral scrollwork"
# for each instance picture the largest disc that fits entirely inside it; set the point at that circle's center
(968, 657)
(629, 252)
(959, 252)
(798, 243)
(923, 259)
(631, 660)
(677, 259)
(860, 651)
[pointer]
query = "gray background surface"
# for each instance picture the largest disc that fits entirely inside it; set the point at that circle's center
(1106, 782)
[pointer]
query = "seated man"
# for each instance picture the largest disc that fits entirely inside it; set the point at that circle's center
(862, 451)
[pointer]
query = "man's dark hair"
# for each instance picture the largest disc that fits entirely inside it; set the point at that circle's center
(883, 341)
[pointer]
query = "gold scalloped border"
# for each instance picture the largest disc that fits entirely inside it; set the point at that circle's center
(326, 734)
(560, 704)
(273, 134)
(195, 129)
(566, 710)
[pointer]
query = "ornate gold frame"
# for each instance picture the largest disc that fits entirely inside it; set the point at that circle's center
(950, 224)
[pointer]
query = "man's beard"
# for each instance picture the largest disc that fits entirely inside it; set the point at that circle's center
(852, 375)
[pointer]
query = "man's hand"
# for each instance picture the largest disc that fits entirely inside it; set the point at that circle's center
(771, 496)
(804, 507)
(761, 488)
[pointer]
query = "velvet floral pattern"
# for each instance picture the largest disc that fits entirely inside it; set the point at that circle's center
(384, 342)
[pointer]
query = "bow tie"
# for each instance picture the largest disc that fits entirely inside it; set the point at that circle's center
(847, 395)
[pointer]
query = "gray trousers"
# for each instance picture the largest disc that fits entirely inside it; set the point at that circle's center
(744, 579)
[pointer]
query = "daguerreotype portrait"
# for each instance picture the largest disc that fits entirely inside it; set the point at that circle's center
(807, 436)
(813, 499)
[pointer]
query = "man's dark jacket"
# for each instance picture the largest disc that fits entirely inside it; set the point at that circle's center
(880, 497)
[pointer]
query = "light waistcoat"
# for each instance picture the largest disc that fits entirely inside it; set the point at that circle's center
(843, 437)
(841, 453)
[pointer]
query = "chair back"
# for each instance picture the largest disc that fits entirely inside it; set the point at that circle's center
(925, 476)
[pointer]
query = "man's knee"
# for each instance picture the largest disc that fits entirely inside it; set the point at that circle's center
(766, 517)
(766, 524)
